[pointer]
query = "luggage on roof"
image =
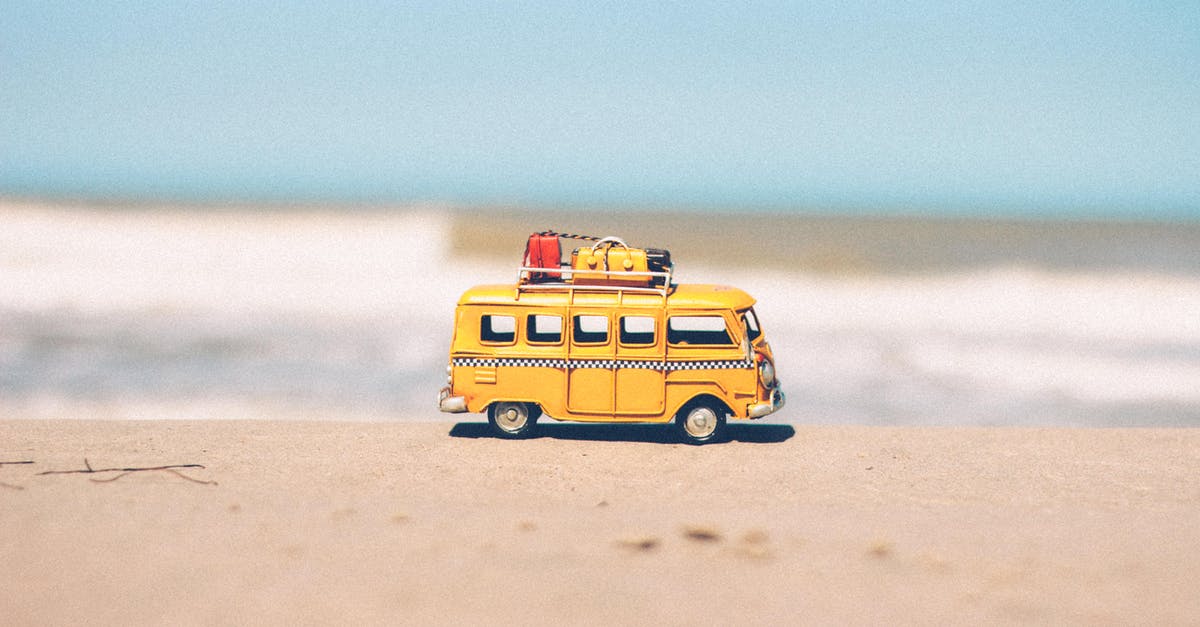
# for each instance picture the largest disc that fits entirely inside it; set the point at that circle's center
(610, 265)
(543, 251)
(608, 262)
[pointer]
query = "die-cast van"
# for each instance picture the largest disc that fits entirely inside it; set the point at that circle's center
(608, 338)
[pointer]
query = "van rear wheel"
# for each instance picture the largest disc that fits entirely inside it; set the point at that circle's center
(701, 422)
(513, 419)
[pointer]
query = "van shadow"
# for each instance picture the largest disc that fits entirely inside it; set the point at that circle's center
(655, 434)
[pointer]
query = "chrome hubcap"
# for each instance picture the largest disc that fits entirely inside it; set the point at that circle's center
(511, 416)
(700, 422)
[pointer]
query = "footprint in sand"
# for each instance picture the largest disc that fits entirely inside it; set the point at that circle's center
(640, 543)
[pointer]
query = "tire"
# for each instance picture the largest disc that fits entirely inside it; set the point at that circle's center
(701, 422)
(513, 419)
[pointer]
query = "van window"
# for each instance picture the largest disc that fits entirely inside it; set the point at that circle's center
(751, 324)
(591, 329)
(543, 329)
(706, 330)
(497, 329)
(637, 330)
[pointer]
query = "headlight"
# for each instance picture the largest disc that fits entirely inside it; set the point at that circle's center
(766, 370)
(450, 374)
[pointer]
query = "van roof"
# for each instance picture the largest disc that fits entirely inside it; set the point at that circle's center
(687, 295)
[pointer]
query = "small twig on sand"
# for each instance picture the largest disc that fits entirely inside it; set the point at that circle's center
(10, 485)
(88, 469)
(171, 468)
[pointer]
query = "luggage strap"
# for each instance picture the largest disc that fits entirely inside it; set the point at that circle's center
(606, 242)
(590, 238)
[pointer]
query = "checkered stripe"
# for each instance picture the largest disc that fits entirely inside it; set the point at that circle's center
(720, 364)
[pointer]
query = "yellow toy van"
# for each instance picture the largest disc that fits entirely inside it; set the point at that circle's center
(608, 337)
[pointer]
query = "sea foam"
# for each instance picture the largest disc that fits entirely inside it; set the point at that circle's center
(323, 315)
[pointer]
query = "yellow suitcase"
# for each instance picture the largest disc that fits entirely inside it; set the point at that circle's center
(610, 265)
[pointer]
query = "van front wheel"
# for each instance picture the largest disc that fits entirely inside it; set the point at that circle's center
(513, 420)
(701, 422)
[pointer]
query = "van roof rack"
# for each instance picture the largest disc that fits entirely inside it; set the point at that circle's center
(566, 282)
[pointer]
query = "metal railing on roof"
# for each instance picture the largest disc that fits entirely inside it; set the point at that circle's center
(567, 281)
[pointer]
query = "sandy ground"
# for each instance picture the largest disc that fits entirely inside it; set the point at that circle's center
(849, 245)
(327, 522)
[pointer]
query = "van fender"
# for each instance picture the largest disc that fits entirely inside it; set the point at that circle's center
(704, 397)
(536, 410)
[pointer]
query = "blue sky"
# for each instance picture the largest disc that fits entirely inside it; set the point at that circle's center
(1039, 108)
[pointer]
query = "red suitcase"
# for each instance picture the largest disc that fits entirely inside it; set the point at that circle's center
(543, 251)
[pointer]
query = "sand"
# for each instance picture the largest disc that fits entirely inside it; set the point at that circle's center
(850, 245)
(439, 523)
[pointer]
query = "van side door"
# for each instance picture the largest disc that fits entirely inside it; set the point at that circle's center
(705, 350)
(590, 357)
(640, 367)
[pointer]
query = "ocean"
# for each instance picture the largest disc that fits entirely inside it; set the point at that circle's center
(315, 313)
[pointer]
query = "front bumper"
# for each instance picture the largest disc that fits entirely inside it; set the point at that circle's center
(774, 403)
(451, 404)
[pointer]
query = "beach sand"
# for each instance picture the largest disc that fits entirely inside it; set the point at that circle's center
(439, 523)
(850, 245)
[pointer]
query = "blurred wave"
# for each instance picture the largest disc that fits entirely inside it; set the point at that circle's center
(321, 314)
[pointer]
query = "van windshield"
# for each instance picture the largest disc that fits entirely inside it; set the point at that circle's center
(751, 321)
